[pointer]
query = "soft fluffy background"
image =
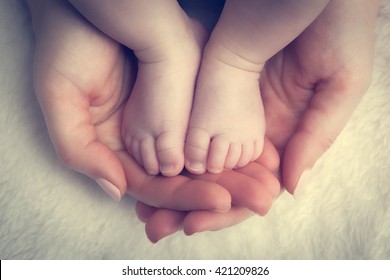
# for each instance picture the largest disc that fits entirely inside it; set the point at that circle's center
(50, 212)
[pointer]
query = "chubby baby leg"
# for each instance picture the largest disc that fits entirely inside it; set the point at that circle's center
(226, 128)
(168, 46)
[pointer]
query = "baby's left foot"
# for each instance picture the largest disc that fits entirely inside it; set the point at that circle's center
(157, 112)
(226, 128)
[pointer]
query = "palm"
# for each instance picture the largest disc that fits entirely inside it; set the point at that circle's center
(291, 78)
(315, 82)
(89, 68)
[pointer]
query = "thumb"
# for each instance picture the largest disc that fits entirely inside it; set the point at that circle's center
(77, 145)
(329, 110)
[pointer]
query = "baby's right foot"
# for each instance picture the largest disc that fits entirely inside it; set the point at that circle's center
(227, 127)
(157, 113)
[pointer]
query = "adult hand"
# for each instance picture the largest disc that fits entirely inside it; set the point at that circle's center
(253, 189)
(309, 91)
(311, 88)
(82, 79)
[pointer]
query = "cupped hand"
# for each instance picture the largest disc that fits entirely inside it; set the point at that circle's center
(311, 87)
(82, 79)
(309, 91)
(253, 189)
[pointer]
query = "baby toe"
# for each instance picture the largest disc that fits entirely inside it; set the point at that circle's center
(196, 150)
(169, 147)
(149, 156)
(246, 156)
(233, 156)
(218, 151)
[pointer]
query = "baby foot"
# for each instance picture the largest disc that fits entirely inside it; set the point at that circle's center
(156, 116)
(226, 128)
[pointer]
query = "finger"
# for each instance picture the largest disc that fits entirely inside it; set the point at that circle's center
(253, 186)
(199, 221)
(246, 191)
(328, 112)
(163, 223)
(269, 157)
(252, 192)
(160, 223)
(76, 141)
(144, 212)
(262, 175)
(179, 192)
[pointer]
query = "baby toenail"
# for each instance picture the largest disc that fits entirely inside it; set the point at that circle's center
(196, 166)
(151, 171)
(166, 169)
(214, 170)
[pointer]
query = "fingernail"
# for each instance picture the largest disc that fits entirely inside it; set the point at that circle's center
(109, 188)
(196, 166)
(151, 172)
(303, 180)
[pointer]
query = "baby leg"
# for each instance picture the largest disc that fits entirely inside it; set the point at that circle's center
(226, 128)
(168, 46)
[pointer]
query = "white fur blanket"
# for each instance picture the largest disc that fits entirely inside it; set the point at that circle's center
(50, 212)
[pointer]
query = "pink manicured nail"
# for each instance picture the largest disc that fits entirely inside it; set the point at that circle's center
(109, 188)
(303, 181)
